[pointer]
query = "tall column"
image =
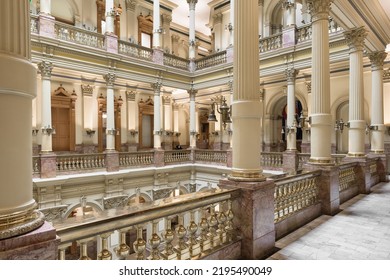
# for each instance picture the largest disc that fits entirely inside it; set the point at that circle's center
(17, 206)
(132, 112)
(377, 117)
(321, 119)
(46, 20)
(291, 121)
(110, 137)
(156, 24)
(193, 118)
(290, 23)
(45, 7)
(231, 28)
(191, 52)
(246, 107)
(218, 31)
(261, 18)
(110, 16)
(132, 22)
(45, 69)
(157, 114)
(357, 124)
(166, 25)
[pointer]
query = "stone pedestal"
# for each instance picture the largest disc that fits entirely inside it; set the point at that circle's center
(46, 25)
(158, 56)
(229, 158)
(48, 165)
(39, 244)
(305, 148)
(289, 36)
(112, 161)
(290, 162)
(254, 216)
(159, 158)
(229, 54)
(111, 41)
(329, 193)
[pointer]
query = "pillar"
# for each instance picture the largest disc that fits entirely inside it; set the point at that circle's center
(45, 68)
(132, 112)
(111, 40)
(377, 116)
(110, 131)
(290, 23)
(166, 25)
(46, 20)
(321, 119)
(291, 120)
(156, 24)
(18, 214)
(132, 22)
(191, 52)
(218, 31)
(357, 124)
(157, 114)
(261, 18)
(193, 118)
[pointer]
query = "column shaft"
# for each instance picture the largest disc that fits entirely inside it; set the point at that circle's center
(110, 14)
(111, 132)
(192, 119)
(291, 121)
(45, 69)
(156, 24)
(192, 4)
(157, 115)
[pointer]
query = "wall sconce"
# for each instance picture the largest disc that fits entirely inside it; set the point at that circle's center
(339, 125)
(35, 131)
(373, 127)
(48, 130)
(90, 132)
(224, 110)
(112, 131)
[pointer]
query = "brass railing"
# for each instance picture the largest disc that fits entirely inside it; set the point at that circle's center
(347, 176)
(271, 159)
(294, 194)
(191, 238)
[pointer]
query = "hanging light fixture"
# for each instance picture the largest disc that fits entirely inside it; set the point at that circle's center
(222, 109)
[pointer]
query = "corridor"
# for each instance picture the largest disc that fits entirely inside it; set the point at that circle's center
(361, 231)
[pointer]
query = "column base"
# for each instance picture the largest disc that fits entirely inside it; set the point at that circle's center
(246, 176)
(290, 161)
(48, 164)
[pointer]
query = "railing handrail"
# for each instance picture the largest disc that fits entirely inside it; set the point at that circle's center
(78, 228)
(210, 56)
(82, 30)
(135, 46)
(297, 177)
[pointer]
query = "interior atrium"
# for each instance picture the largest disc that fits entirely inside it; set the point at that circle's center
(188, 129)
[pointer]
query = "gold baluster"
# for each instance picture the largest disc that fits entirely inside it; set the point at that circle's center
(123, 250)
(154, 242)
(229, 222)
(169, 235)
(105, 254)
(221, 218)
(214, 238)
(182, 250)
(84, 250)
(192, 242)
(203, 238)
(139, 245)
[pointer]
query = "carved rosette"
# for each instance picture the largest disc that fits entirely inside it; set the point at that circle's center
(192, 4)
(291, 75)
(45, 69)
(355, 39)
(319, 9)
(110, 79)
(377, 60)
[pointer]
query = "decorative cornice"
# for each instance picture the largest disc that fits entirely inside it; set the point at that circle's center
(45, 69)
(377, 59)
(355, 38)
(319, 9)
(110, 79)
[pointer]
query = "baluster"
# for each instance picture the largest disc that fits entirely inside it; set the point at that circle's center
(204, 226)
(123, 250)
(221, 218)
(105, 254)
(154, 242)
(229, 222)
(192, 242)
(182, 250)
(84, 250)
(169, 235)
(61, 251)
(139, 245)
(214, 238)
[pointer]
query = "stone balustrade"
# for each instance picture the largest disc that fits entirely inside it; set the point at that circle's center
(211, 156)
(271, 43)
(80, 162)
(272, 160)
(177, 156)
(128, 159)
(69, 33)
(210, 60)
(176, 62)
(135, 51)
(192, 226)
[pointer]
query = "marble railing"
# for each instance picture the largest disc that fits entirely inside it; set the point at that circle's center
(347, 176)
(177, 62)
(208, 226)
(270, 43)
(34, 24)
(271, 159)
(211, 156)
(80, 162)
(303, 33)
(134, 50)
(210, 60)
(177, 156)
(69, 33)
(127, 159)
(295, 194)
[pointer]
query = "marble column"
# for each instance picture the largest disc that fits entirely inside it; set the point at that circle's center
(166, 25)
(357, 124)
(217, 27)
(18, 87)
(291, 120)
(321, 119)
(132, 22)
(191, 52)
(110, 16)
(261, 18)
(156, 25)
(193, 118)
(110, 131)
(45, 68)
(157, 114)
(377, 116)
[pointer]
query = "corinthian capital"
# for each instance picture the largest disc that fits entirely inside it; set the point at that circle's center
(156, 87)
(218, 18)
(192, 4)
(319, 9)
(45, 68)
(110, 79)
(377, 59)
(291, 74)
(355, 38)
(130, 5)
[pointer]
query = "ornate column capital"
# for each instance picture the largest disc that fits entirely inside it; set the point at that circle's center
(377, 59)
(175, 38)
(156, 87)
(308, 87)
(218, 18)
(287, 4)
(166, 19)
(45, 69)
(355, 38)
(192, 4)
(110, 79)
(261, 3)
(386, 75)
(319, 9)
(192, 92)
(87, 90)
(130, 5)
(166, 99)
(130, 95)
(291, 74)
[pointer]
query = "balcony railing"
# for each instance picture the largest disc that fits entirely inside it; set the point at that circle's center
(177, 62)
(271, 160)
(136, 159)
(270, 43)
(211, 60)
(69, 33)
(177, 156)
(193, 238)
(135, 51)
(211, 156)
(80, 162)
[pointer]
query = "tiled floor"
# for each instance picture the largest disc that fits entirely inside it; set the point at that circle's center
(361, 231)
